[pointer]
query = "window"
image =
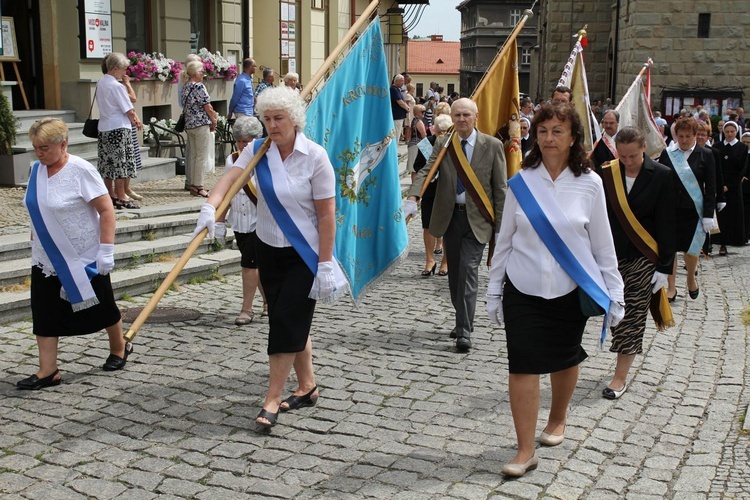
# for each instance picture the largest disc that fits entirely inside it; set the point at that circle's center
(420, 89)
(451, 88)
(704, 25)
(137, 26)
(515, 16)
(317, 4)
(525, 56)
(200, 35)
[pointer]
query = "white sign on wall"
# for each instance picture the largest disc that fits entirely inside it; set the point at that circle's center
(98, 35)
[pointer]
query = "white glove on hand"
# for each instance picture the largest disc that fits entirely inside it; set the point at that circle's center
(325, 282)
(220, 229)
(720, 206)
(409, 207)
(708, 223)
(615, 314)
(495, 309)
(105, 258)
(206, 219)
(659, 281)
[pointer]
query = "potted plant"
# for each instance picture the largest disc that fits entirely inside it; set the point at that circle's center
(14, 168)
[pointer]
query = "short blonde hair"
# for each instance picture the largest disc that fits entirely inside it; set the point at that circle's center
(443, 108)
(193, 67)
(48, 131)
(442, 123)
(419, 107)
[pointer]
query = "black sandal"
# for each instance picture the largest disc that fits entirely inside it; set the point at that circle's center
(130, 204)
(295, 402)
(117, 203)
(270, 417)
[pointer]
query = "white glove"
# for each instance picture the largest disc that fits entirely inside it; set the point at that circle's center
(720, 206)
(324, 285)
(659, 281)
(221, 233)
(495, 308)
(616, 313)
(409, 207)
(105, 258)
(206, 219)
(708, 223)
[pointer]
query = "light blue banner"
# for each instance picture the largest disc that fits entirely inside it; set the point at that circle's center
(351, 118)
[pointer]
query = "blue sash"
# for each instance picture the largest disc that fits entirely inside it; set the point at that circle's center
(687, 177)
(74, 275)
(280, 213)
(548, 233)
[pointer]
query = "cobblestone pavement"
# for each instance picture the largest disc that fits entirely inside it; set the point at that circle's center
(401, 414)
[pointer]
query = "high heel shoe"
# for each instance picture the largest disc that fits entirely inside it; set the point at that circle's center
(429, 272)
(293, 402)
(672, 298)
(694, 293)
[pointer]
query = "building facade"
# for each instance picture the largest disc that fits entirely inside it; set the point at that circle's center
(701, 50)
(60, 43)
(434, 60)
(485, 25)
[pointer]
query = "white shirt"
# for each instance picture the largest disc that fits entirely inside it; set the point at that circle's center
(521, 254)
(113, 103)
(311, 177)
(675, 146)
(734, 141)
(69, 193)
(470, 143)
(243, 215)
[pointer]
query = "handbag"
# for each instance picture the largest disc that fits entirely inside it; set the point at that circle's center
(91, 125)
(180, 125)
(589, 307)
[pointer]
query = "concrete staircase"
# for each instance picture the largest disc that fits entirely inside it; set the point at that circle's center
(85, 147)
(147, 245)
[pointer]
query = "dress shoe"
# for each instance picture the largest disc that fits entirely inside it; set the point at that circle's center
(672, 298)
(454, 333)
(34, 383)
(518, 470)
(463, 344)
(609, 393)
(694, 293)
(115, 362)
(547, 439)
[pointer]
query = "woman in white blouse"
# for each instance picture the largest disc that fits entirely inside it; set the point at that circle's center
(302, 172)
(243, 217)
(531, 292)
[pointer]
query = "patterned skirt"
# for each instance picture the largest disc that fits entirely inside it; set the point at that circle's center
(136, 149)
(627, 336)
(116, 154)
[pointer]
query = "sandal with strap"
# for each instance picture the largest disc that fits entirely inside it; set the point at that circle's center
(117, 203)
(134, 195)
(293, 402)
(244, 318)
(198, 191)
(130, 205)
(271, 418)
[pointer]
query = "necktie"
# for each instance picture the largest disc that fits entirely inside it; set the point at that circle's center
(460, 187)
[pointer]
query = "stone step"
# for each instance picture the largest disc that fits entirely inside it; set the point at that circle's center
(129, 254)
(148, 223)
(27, 117)
(143, 279)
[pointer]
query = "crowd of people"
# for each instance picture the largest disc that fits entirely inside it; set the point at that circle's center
(571, 236)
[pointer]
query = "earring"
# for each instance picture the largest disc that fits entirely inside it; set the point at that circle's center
(571, 144)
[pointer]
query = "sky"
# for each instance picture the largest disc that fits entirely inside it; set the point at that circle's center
(438, 18)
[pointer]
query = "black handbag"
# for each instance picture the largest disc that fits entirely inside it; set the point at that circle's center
(91, 125)
(180, 125)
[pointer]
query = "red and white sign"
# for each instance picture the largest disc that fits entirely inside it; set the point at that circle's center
(98, 35)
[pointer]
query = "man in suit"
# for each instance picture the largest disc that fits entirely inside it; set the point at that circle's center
(457, 217)
(605, 147)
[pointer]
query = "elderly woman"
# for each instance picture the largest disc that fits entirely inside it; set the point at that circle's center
(641, 189)
(695, 182)
(291, 80)
(543, 297)
(733, 166)
(200, 121)
(418, 128)
(72, 253)
(117, 117)
(442, 124)
(243, 218)
(296, 229)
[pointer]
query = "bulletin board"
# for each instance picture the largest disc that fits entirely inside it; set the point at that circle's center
(10, 46)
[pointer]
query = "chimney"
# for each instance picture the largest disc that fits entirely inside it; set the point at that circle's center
(436, 38)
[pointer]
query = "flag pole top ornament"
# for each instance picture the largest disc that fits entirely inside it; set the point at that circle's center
(529, 13)
(648, 63)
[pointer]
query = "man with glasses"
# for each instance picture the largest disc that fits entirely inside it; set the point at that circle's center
(243, 96)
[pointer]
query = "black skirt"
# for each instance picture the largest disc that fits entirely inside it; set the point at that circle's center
(53, 316)
(287, 282)
(247, 244)
(543, 336)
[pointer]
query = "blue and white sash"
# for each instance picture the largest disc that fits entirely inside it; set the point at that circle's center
(562, 241)
(687, 177)
(74, 274)
(292, 219)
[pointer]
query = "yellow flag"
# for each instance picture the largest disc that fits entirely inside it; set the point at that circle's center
(574, 76)
(499, 106)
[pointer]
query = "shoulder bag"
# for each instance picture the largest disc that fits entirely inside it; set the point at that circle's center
(91, 126)
(180, 125)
